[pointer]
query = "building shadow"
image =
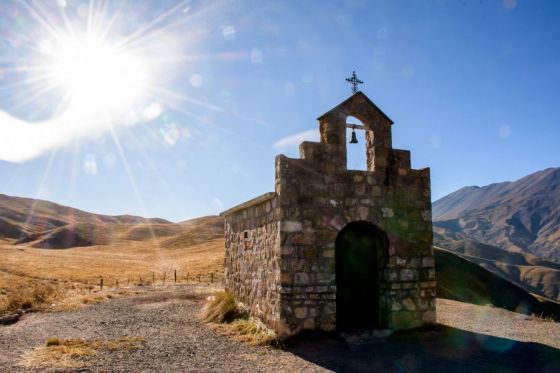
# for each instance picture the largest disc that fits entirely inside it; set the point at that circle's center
(437, 349)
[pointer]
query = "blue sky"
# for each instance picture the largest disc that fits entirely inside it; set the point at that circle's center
(472, 86)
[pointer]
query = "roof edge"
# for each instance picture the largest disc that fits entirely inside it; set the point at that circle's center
(349, 99)
(249, 203)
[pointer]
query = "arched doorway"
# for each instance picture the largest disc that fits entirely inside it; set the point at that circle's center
(360, 248)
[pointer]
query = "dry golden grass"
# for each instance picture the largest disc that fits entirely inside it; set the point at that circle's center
(35, 279)
(250, 330)
(222, 308)
(117, 262)
(229, 317)
(61, 353)
(21, 293)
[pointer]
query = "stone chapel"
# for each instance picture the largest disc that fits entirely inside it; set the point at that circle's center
(334, 249)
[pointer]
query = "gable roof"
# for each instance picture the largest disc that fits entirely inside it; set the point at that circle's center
(352, 98)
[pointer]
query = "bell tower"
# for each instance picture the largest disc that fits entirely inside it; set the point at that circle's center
(376, 124)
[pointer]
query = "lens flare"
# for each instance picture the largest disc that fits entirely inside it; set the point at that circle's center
(76, 70)
(98, 77)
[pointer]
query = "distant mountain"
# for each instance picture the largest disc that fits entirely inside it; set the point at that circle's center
(45, 224)
(37, 215)
(519, 216)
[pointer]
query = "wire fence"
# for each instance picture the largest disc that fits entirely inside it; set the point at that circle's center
(152, 279)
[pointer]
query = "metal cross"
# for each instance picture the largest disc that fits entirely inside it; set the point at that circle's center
(354, 81)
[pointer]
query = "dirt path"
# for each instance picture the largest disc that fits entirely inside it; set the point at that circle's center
(174, 340)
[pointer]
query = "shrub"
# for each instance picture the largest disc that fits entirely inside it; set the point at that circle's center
(223, 308)
(231, 318)
(253, 331)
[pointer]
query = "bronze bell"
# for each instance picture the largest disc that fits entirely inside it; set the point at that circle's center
(354, 139)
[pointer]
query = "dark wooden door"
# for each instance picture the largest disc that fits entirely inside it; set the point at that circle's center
(358, 247)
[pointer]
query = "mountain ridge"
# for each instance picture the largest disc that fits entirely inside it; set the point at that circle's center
(45, 224)
(522, 216)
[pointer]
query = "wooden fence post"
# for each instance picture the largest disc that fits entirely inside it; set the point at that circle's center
(212, 277)
(101, 283)
(153, 278)
(187, 276)
(175, 276)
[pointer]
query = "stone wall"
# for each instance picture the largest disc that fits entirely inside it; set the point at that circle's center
(252, 258)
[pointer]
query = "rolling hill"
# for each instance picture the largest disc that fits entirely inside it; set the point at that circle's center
(44, 224)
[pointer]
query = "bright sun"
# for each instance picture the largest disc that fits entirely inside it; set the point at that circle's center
(98, 77)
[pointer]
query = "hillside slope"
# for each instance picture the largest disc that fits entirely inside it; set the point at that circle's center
(528, 271)
(38, 215)
(520, 216)
(462, 280)
(45, 224)
(196, 231)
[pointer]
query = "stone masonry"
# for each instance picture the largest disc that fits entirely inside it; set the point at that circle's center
(280, 247)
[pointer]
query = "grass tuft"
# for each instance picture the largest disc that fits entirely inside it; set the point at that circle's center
(253, 331)
(231, 318)
(59, 353)
(545, 317)
(223, 308)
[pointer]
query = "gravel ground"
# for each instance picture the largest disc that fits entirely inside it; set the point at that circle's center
(498, 322)
(175, 341)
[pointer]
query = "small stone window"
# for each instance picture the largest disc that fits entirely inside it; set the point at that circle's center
(246, 240)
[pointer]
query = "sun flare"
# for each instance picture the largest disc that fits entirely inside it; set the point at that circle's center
(80, 69)
(98, 76)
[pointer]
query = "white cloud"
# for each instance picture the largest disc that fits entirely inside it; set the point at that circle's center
(21, 140)
(298, 138)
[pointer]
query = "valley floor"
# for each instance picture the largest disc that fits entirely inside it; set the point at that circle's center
(169, 337)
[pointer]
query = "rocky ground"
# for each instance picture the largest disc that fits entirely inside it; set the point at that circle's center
(468, 338)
